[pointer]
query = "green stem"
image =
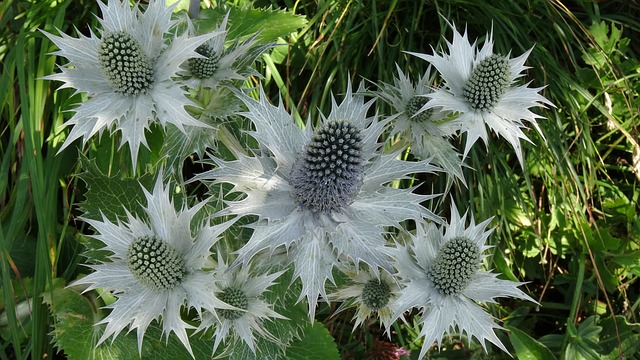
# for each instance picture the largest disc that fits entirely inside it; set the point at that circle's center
(577, 295)
(230, 141)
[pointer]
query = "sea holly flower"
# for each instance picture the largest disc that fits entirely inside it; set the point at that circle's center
(218, 61)
(480, 86)
(157, 267)
(371, 294)
(243, 292)
(443, 276)
(428, 129)
(321, 192)
(127, 74)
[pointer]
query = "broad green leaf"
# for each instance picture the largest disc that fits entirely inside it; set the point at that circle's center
(527, 347)
(244, 22)
(76, 334)
(316, 344)
(111, 195)
(21, 290)
(619, 335)
(503, 266)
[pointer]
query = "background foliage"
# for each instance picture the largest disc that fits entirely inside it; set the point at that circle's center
(568, 224)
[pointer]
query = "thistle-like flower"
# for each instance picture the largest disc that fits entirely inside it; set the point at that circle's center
(320, 192)
(426, 129)
(126, 72)
(481, 87)
(239, 289)
(371, 294)
(219, 62)
(443, 277)
(156, 267)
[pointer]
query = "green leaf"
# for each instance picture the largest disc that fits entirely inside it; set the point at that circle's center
(527, 347)
(503, 266)
(619, 335)
(221, 103)
(75, 332)
(244, 22)
(111, 195)
(316, 344)
(180, 145)
(444, 155)
(584, 342)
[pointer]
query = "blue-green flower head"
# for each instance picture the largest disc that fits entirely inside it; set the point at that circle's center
(443, 276)
(236, 298)
(376, 294)
(487, 83)
(329, 173)
(155, 263)
(221, 59)
(372, 295)
(206, 66)
(158, 267)
(455, 265)
(482, 88)
(243, 318)
(427, 129)
(125, 64)
(413, 107)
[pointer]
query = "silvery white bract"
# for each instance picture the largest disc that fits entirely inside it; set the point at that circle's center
(428, 130)
(243, 291)
(372, 295)
(156, 267)
(481, 87)
(442, 274)
(126, 73)
(320, 192)
(219, 61)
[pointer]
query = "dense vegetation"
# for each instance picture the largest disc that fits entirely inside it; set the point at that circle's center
(568, 224)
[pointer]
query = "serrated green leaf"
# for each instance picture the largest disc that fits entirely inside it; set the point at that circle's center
(316, 344)
(600, 32)
(245, 22)
(110, 195)
(180, 145)
(617, 336)
(526, 347)
(444, 155)
(220, 104)
(75, 333)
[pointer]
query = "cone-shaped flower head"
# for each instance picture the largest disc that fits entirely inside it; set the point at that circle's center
(482, 88)
(321, 193)
(428, 129)
(156, 267)
(328, 176)
(371, 294)
(127, 74)
(219, 61)
(244, 292)
(443, 277)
